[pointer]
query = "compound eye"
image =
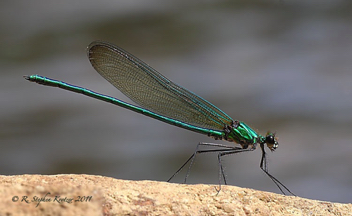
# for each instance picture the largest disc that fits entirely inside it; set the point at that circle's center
(270, 139)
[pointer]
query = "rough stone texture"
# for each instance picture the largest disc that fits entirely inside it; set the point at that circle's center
(120, 197)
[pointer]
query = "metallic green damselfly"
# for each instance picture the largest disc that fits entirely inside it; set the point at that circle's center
(160, 98)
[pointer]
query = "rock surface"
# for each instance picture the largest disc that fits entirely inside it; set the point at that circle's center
(97, 195)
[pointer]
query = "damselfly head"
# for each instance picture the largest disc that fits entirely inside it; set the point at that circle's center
(271, 141)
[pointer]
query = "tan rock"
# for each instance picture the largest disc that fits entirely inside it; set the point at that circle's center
(97, 195)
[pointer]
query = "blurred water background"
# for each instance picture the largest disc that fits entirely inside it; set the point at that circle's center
(283, 66)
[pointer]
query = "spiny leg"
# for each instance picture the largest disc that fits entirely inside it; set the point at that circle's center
(221, 147)
(263, 166)
(221, 169)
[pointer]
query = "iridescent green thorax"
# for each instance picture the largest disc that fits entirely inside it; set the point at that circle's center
(158, 97)
(242, 134)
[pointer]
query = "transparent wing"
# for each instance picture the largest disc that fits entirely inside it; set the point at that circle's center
(151, 90)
